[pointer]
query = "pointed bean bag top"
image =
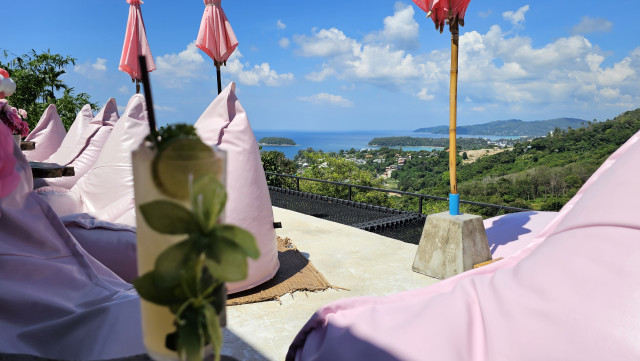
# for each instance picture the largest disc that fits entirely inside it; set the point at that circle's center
(225, 124)
(47, 134)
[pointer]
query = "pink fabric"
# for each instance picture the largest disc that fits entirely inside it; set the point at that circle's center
(509, 233)
(571, 294)
(216, 37)
(83, 144)
(57, 302)
(135, 43)
(47, 134)
(225, 124)
(440, 9)
(9, 178)
(113, 245)
(109, 184)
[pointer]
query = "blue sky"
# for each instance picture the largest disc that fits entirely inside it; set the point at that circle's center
(349, 65)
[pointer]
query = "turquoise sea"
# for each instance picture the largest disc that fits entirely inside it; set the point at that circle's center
(335, 141)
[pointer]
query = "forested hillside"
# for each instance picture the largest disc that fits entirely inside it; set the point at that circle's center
(511, 127)
(541, 174)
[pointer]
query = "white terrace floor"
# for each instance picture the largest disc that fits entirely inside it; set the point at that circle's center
(365, 263)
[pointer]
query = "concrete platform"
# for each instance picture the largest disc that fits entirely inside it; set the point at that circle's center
(365, 263)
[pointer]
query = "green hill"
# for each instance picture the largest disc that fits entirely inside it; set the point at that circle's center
(511, 127)
(543, 173)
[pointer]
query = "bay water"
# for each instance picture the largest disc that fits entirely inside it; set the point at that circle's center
(335, 141)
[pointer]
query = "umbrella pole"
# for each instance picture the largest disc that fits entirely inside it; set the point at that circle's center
(218, 75)
(454, 200)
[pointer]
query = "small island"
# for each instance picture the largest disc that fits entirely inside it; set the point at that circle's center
(276, 141)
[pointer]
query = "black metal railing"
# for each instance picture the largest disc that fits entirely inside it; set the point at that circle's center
(420, 197)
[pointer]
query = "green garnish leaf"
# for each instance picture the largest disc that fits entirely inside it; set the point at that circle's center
(169, 217)
(226, 261)
(213, 330)
(243, 238)
(190, 336)
(172, 263)
(148, 289)
(208, 198)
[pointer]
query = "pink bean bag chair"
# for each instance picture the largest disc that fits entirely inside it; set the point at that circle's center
(82, 144)
(57, 302)
(225, 124)
(570, 294)
(106, 190)
(47, 134)
(99, 210)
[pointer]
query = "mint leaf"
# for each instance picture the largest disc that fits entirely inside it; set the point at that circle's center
(168, 217)
(208, 198)
(226, 261)
(172, 263)
(213, 330)
(148, 289)
(241, 237)
(190, 336)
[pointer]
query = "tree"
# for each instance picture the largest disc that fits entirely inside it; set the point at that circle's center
(37, 76)
(276, 162)
(331, 167)
(465, 156)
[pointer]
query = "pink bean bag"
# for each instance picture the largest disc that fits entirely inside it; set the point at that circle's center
(106, 190)
(47, 134)
(570, 294)
(225, 124)
(82, 144)
(57, 302)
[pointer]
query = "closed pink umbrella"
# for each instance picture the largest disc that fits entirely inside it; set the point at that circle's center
(451, 11)
(216, 38)
(135, 44)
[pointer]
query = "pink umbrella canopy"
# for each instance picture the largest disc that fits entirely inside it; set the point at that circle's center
(216, 38)
(135, 44)
(438, 10)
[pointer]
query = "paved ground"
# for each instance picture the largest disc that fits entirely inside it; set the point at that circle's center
(365, 263)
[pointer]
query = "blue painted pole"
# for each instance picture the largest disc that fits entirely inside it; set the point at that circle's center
(454, 204)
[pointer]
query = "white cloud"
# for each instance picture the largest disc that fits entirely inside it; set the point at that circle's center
(124, 89)
(516, 18)
(322, 74)
(92, 70)
(592, 25)
(284, 43)
(484, 14)
(177, 70)
(325, 43)
(280, 24)
(497, 69)
(325, 98)
(258, 74)
(424, 95)
(376, 63)
(400, 29)
(163, 108)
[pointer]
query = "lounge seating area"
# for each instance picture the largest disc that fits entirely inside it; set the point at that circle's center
(563, 290)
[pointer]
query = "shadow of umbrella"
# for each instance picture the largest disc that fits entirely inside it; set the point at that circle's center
(216, 38)
(135, 44)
